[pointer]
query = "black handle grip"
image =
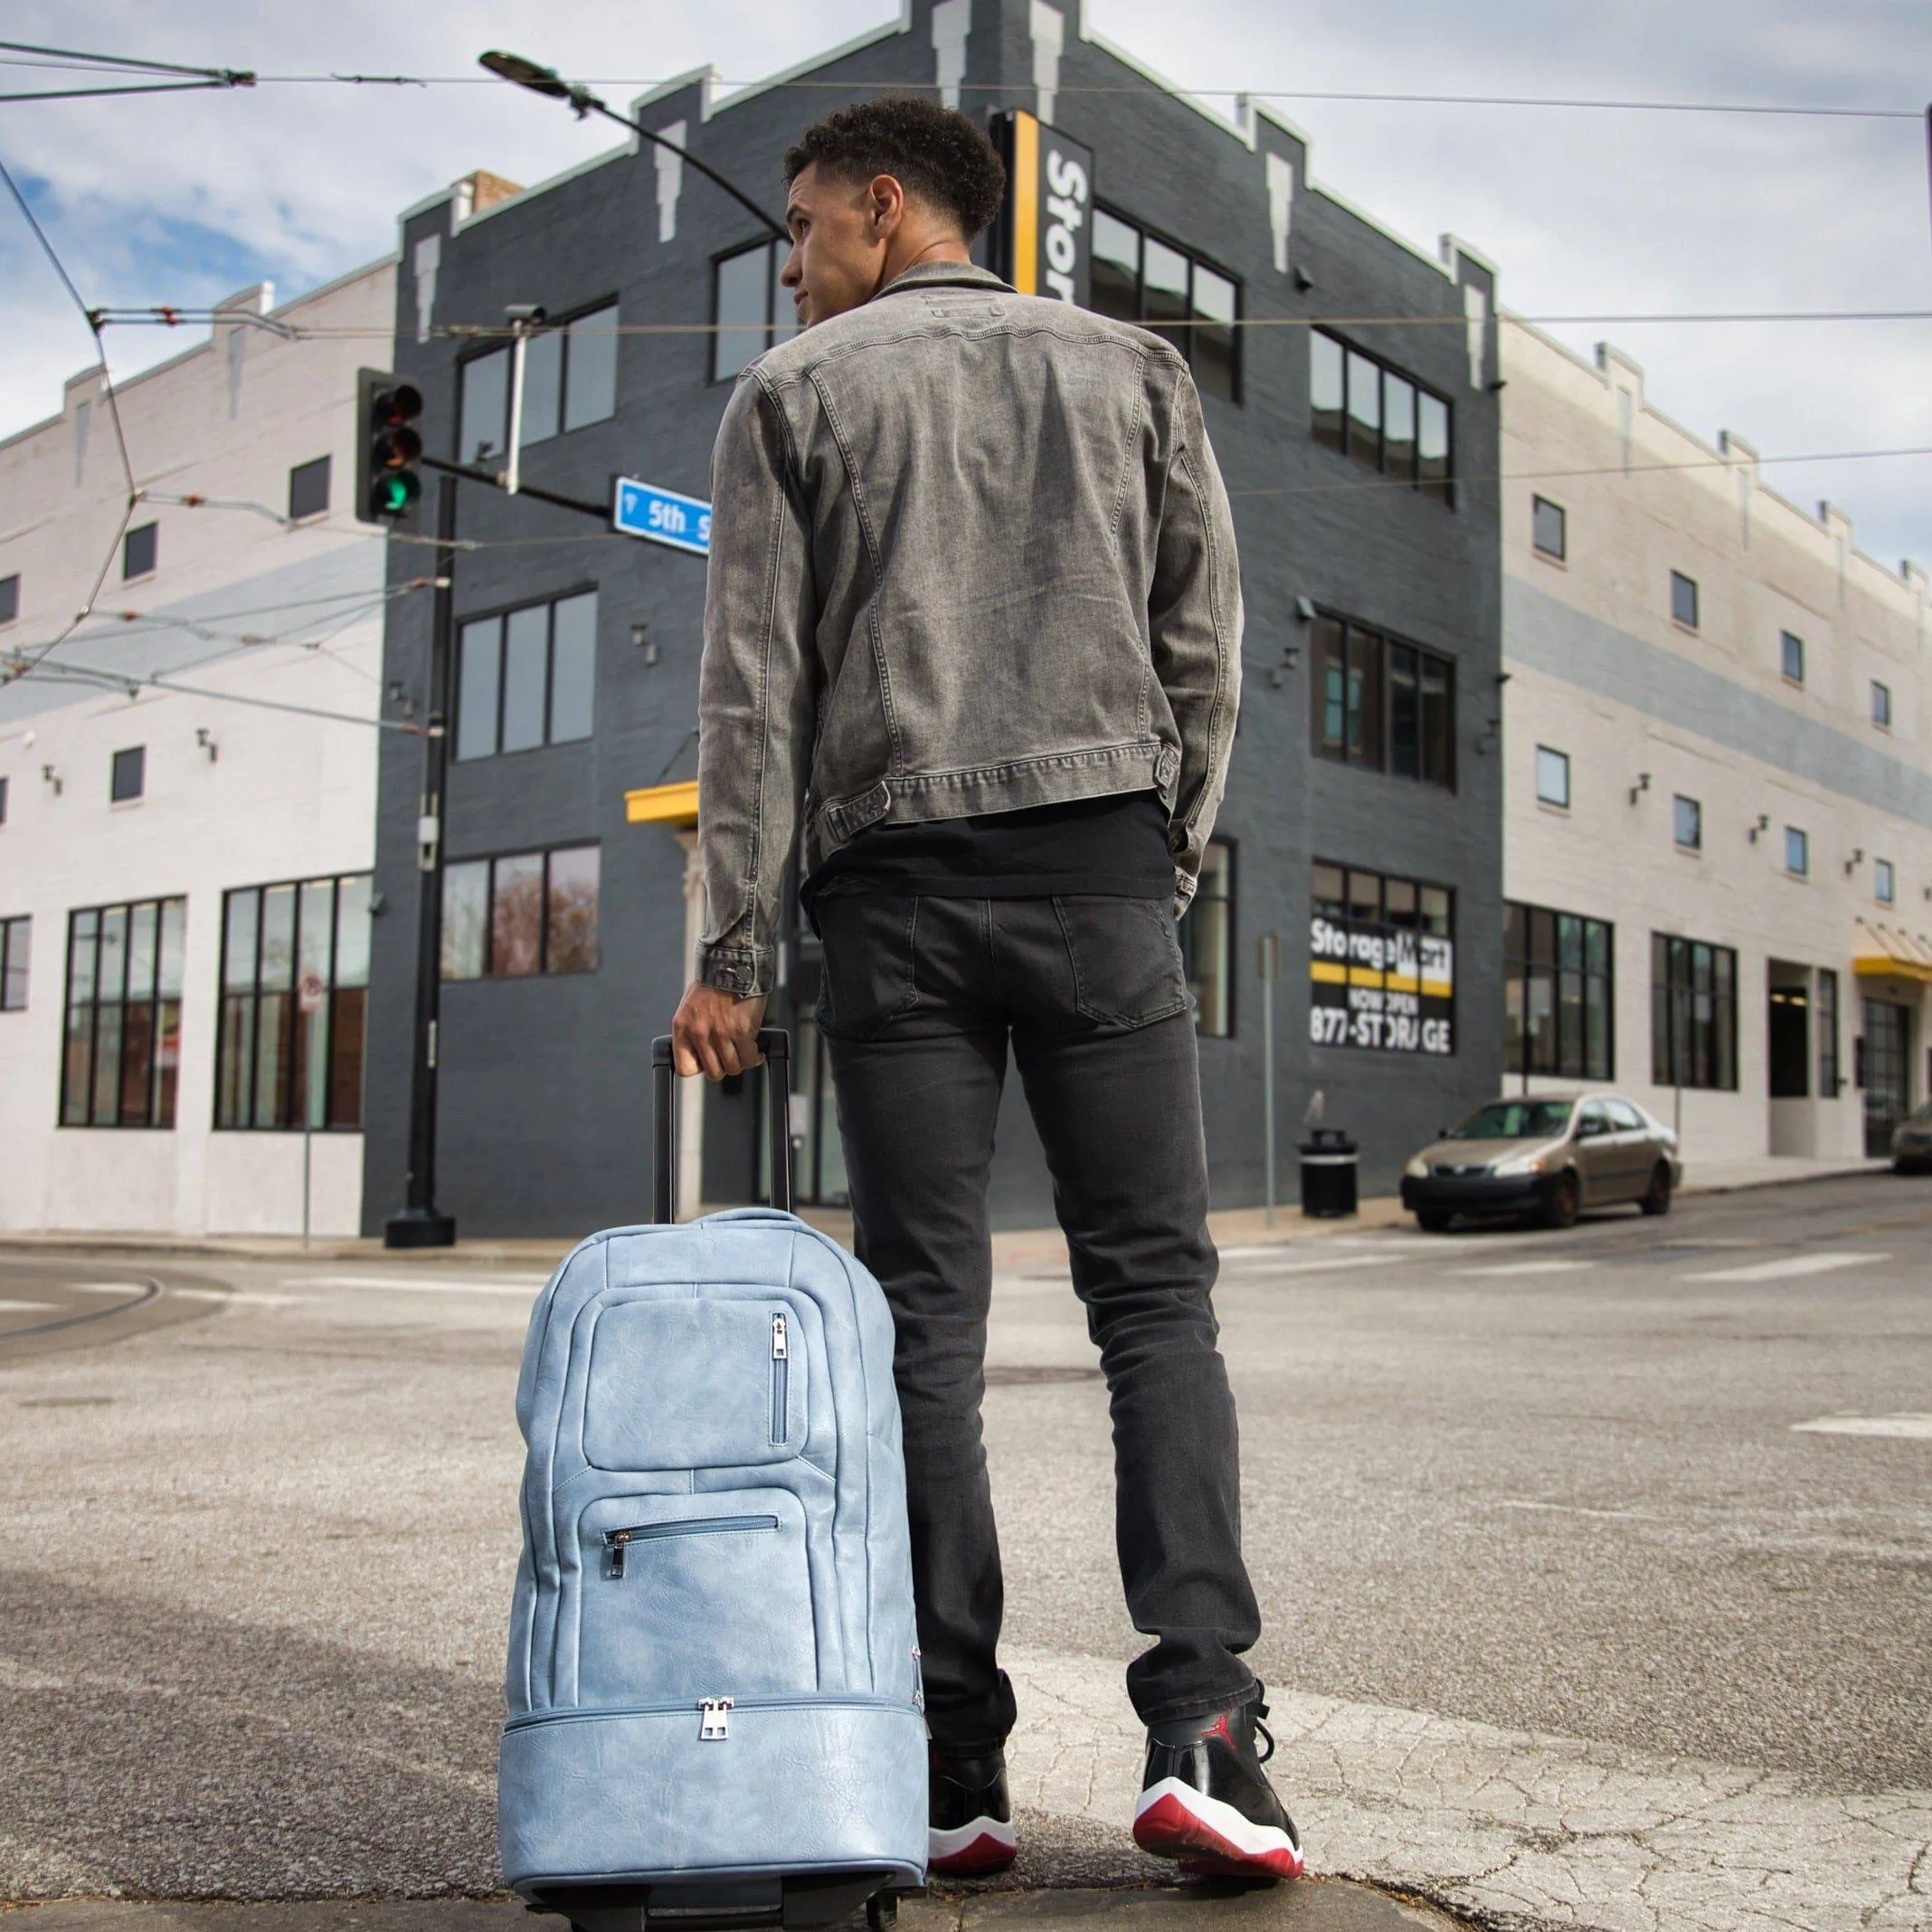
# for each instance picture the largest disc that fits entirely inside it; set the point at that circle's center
(776, 1044)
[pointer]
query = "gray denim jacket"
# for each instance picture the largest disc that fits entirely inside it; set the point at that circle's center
(970, 552)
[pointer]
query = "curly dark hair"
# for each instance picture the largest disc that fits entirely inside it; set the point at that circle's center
(938, 155)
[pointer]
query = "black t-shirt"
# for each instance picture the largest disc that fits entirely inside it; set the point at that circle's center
(1112, 848)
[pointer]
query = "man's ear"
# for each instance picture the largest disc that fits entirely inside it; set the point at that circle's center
(886, 206)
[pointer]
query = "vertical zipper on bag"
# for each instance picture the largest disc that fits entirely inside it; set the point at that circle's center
(780, 1366)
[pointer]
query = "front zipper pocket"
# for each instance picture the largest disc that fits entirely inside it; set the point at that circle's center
(781, 1379)
(617, 1541)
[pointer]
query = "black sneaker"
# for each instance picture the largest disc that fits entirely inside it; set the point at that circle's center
(971, 1818)
(1206, 1800)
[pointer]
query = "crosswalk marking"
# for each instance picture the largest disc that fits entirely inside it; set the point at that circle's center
(524, 1286)
(1512, 1268)
(26, 1308)
(1790, 1268)
(1913, 1427)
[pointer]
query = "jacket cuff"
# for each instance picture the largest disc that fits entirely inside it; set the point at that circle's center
(744, 971)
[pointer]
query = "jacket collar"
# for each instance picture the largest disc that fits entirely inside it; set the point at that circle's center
(943, 275)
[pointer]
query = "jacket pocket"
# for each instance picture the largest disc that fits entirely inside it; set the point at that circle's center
(868, 979)
(1126, 962)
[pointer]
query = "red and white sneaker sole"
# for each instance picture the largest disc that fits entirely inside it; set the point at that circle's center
(1175, 1821)
(972, 1850)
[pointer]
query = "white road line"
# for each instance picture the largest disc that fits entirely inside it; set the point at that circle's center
(26, 1308)
(1576, 1509)
(1524, 1267)
(524, 1287)
(102, 1287)
(1276, 1250)
(242, 1297)
(1789, 1269)
(1918, 1428)
(1324, 1267)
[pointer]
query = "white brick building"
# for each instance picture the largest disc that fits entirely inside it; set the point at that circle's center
(139, 824)
(1718, 725)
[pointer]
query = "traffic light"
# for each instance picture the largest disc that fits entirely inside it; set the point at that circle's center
(388, 447)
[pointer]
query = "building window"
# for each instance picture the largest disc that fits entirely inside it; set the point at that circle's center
(1797, 852)
(1208, 942)
(2, 800)
(17, 951)
(752, 308)
(127, 779)
(1559, 989)
(1381, 962)
(1385, 704)
(1827, 1033)
(139, 549)
(1884, 881)
(526, 913)
(1552, 776)
(527, 677)
(9, 598)
(1683, 600)
(1881, 704)
(295, 979)
(1790, 657)
(121, 1056)
(570, 380)
(1374, 413)
(308, 489)
(1549, 528)
(1687, 823)
(1138, 278)
(1693, 1014)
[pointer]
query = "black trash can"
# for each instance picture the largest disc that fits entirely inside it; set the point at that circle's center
(1328, 1175)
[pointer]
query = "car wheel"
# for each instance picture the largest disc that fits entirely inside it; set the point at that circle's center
(1565, 1199)
(1432, 1221)
(1656, 1197)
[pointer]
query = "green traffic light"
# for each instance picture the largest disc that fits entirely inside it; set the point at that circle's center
(394, 494)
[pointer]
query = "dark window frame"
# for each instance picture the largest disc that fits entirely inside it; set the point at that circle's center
(1690, 583)
(1560, 554)
(16, 934)
(1563, 758)
(1342, 749)
(1802, 849)
(343, 1016)
(544, 970)
(300, 477)
(116, 795)
(500, 615)
(560, 326)
(1191, 939)
(1882, 706)
(147, 535)
(1441, 488)
(1825, 1007)
(159, 1007)
(776, 331)
(1790, 647)
(1884, 882)
(1559, 1049)
(1182, 334)
(1695, 843)
(1691, 1049)
(9, 597)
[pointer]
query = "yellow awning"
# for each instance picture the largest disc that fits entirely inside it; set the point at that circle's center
(1886, 953)
(673, 805)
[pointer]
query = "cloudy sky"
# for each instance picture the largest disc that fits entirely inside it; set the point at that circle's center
(184, 200)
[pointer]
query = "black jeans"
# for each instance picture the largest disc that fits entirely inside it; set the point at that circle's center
(920, 998)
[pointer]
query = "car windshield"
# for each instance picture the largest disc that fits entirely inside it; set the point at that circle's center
(1515, 1120)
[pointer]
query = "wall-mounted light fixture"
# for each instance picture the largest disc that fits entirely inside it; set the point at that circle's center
(205, 739)
(641, 638)
(1855, 861)
(1641, 787)
(1757, 831)
(49, 776)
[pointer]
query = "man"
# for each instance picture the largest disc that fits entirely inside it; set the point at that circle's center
(974, 622)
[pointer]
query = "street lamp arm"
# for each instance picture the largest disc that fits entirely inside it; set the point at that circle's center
(600, 511)
(547, 81)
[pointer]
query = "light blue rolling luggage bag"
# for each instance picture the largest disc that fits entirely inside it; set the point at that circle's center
(714, 1711)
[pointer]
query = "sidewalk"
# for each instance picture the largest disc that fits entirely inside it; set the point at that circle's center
(1309, 1905)
(1012, 1247)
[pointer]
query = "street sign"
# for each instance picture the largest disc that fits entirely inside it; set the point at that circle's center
(310, 992)
(661, 516)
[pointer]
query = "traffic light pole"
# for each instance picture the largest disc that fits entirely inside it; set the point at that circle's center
(422, 1224)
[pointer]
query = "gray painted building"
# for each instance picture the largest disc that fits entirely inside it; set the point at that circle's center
(1361, 460)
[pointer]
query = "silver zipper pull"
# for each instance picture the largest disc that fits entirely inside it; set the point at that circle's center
(714, 1717)
(778, 1338)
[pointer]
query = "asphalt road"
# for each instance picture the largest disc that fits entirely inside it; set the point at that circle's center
(1530, 1515)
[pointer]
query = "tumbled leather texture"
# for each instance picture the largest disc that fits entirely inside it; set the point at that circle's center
(755, 1485)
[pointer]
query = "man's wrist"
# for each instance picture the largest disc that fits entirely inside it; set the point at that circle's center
(743, 971)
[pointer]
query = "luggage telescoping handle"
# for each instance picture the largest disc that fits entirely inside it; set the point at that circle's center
(776, 1044)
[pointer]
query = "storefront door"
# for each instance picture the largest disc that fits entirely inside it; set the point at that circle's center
(1888, 1073)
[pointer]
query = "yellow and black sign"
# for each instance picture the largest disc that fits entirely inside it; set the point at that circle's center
(1045, 243)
